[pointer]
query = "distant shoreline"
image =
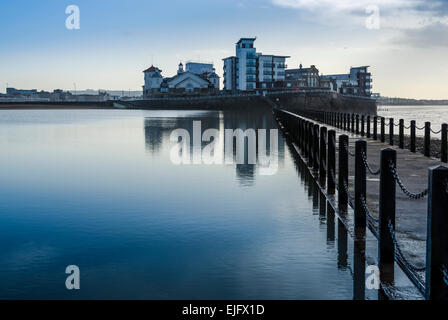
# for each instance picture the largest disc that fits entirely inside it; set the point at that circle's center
(43, 106)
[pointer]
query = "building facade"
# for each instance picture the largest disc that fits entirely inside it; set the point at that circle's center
(182, 82)
(357, 82)
(249, 70)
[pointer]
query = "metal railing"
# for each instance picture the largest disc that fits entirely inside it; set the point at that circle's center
(318, 144)
(367, 125)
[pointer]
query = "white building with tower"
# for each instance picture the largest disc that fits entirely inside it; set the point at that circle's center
(249, 70)
(198, 78)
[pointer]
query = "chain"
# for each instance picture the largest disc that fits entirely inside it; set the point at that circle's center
(420, 128)
(348, 151)
(399, 253)
(349, 197)
(411, 195)
(367, 211)
(332, 176)
(436, 132)
(364, 159)
(445, 274)
(409, 127)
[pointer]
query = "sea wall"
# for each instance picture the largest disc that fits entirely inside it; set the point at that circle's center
(293, 101)
(325, 101)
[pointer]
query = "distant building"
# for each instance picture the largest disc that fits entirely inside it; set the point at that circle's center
(249, 70)
(182, 82)
(16, 92)
(357, 82)
(304, 77)
(198, 67)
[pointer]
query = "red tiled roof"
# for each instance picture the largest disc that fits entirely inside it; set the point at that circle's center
(152, 69)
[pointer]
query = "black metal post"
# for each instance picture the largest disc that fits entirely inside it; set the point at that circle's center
(368, 126)
(362, 125)
(357, 124)
(342, 172)
(316, 148)
(375, 128)
(412, 136)
(443, 151)
(310, 143)
(401, 134)
(427, 147)
(353, 122)
(386, 248)
(391, 131)
(383, 138)
(437, 237)
(360, 189)
(323, 156)
(331, 161)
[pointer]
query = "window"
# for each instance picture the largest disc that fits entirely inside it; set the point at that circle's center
(243, 45)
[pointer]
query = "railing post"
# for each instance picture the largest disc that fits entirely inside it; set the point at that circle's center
(345, 121)
(375, 128)
(368, 126)
(412, 135)
(316, 148)
(362, 125)
(348, 121)
(391, 131)
(359, 259)
(383, 138)
(401, 134)
(360, 189)
(342, 172)
(443, 151)
(427, 147)
(323, 156)
(310, 143)
(331, 161)
(386, 248)
(437, 235)
(353, 122)
(357, 124)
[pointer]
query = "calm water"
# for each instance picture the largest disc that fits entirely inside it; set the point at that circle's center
(434, 114)
(97, 189)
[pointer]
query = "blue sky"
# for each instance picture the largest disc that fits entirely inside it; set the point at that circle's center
(118, 39)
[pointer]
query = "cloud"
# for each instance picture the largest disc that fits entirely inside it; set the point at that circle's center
(431, 36)
(394, 14)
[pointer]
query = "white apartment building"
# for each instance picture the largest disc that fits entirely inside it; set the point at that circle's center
(249, 70)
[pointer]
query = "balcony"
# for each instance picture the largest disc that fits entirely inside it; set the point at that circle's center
(253, 72)
(266, 72)
(268, 65)
(251, 79)
(282, 66)
(251, 55)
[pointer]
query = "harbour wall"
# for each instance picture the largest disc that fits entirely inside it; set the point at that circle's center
(292, 101)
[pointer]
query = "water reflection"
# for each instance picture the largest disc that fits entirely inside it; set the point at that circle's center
(102, 193)
(158, 131)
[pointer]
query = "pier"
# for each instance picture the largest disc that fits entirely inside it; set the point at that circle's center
(375, 184)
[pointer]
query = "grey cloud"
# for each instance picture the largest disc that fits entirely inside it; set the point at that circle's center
(432, 36)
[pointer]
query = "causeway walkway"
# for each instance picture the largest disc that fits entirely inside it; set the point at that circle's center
(411, 214)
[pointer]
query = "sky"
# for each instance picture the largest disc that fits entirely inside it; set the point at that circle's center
(405, 42)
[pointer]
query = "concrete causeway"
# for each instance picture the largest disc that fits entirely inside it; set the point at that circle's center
(411, 214)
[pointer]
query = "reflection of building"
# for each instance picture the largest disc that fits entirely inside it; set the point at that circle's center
(249, 70)
(183, 82)
(158, 131)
